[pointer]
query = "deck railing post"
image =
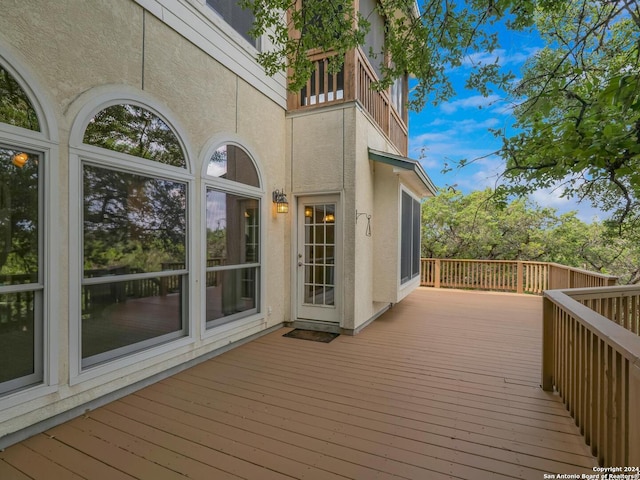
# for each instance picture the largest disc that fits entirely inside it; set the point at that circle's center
(436, 275)
(520, 279)
(548, 309)
(634, 415)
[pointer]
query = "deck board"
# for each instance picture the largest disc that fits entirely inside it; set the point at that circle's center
(444, 385)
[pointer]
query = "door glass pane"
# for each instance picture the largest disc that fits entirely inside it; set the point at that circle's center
(319, 253)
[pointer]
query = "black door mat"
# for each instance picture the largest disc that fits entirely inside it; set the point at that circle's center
(324, 337)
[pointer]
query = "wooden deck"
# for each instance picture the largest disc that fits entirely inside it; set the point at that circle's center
(444, 385)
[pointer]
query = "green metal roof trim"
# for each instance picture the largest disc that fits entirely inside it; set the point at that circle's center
(404, 163)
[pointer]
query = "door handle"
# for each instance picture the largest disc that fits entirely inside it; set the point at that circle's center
(299, 264)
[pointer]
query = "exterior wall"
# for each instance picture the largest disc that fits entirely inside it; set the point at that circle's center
(329, 154)
(76, 51)
(371, 200)
(321, 146)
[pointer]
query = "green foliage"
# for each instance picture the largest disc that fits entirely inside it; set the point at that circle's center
(428, 42)
(136, 131)
(577, 103)
(482, 225)
(579, 109)
(15, 107)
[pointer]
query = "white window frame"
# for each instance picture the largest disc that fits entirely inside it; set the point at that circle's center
(80, 153)
(228, 186)
(45, 143)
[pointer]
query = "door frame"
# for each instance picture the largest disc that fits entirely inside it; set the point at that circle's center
(296, 248)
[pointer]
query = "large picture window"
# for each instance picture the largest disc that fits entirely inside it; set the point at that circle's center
(134, 251)
(21, 245)
(410, 238)
(232, 236)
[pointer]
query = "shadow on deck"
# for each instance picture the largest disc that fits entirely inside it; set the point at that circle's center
(445, 384)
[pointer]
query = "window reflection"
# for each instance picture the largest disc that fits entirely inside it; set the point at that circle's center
(15, 107)
(132, 223)
(232, 228)
(233, 239)
(17, 335)
(233, 163)
(232, 292)
(119, 317)
(136, 131)
(19, 224)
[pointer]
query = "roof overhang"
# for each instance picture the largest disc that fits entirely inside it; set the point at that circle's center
(408, 169)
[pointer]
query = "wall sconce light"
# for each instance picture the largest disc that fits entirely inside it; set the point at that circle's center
(329, 218)
(280, 199)
(20, 159)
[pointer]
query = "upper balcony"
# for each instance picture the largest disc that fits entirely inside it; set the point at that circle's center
(354, 83)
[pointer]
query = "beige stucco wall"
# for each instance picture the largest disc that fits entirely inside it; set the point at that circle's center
(329, 154)
(74, 50)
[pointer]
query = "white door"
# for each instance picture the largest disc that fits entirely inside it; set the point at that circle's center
(318, 259)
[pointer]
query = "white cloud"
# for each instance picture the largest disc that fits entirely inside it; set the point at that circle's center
(552, 198)
(476, 101)
(500, 56)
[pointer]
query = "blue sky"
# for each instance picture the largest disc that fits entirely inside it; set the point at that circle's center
(458, 129)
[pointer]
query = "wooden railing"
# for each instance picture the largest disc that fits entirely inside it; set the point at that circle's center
(96, 295)
(591, 357)
(353, 82)
(506, 275)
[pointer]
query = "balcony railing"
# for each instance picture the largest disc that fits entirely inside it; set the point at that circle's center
(591, 357)
(351, 83)
(507, 276)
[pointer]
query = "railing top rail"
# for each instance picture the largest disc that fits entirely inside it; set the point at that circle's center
(626, 342)
(582, 270)
(526, 262)
(602, 292)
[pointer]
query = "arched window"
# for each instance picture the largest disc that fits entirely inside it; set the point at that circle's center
(233, 223)
(21, 242)
(134, 234)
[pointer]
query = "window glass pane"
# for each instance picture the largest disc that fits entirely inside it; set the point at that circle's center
(132, 223)
(136, 131)
(19, 225)
(233, 228)
(235, 291)
(233, 163)
(415, 242)
(240, 19)
(15, 107)
(17, 336)
(125, 313)
(374, 39)
(405, 247)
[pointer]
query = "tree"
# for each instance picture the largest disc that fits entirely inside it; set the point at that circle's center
(578, 109)
(480, 226)
(425, 42)
(577, 105)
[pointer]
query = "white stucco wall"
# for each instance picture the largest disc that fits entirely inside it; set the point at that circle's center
(75, 50)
